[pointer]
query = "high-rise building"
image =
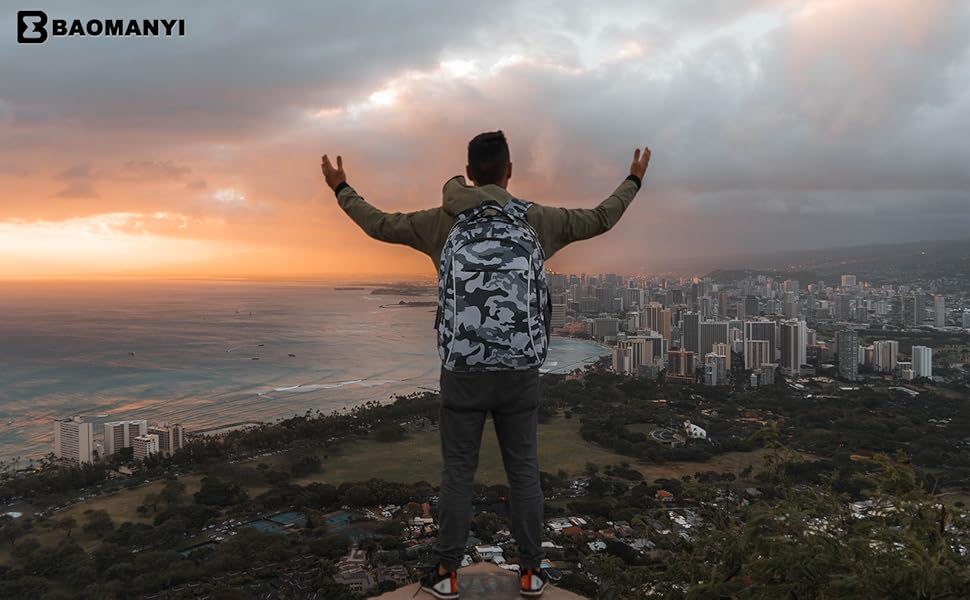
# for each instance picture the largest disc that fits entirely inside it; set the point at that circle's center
(842, 310)
(605, 327)
(74, 440)
(622, 362)
(762, 330)
(632, 297)
(725, 351)
(723, 300)
(558, 315)
(913, 310)
(659, 346)
(691, 331)
(751, 308)
(144, 446)
(632, 352)
(170, 438)
(848, 281)
(966, 319)
(923, 361)
(652, 318)
(680, 363)
(711, 332)
(756, 354)
(121, 434)
(939, 311)
(885, 353)
(847, 346)
(706, 306)
(804, 335)
(715, 369)
(792, 346)
(666, 321)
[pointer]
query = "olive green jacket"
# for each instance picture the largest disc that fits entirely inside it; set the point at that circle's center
(426, 230)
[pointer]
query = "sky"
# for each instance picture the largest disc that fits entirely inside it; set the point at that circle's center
(774, 125)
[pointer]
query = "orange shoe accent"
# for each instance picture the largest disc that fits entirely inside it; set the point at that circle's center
(454, 582)
(525, 580)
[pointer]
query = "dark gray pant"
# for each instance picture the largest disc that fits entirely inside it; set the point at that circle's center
(466, 399)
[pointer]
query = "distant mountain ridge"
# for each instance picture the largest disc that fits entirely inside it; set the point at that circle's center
(874, 262)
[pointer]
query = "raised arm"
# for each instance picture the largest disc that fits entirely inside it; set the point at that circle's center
(414, 229)
(558, 226)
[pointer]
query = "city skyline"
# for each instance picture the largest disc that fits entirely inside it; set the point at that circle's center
(775, 126)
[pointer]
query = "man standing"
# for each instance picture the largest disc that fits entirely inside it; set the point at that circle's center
(506, 388)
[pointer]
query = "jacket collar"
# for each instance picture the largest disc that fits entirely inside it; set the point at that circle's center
(458, 195)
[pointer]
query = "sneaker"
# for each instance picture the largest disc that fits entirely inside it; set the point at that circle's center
(444, 587)
(532, 582)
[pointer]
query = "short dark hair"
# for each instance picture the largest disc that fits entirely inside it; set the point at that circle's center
(488, 157)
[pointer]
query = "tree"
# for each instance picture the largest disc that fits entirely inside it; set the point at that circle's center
(99, 523)
(807, 544)
(67, 524)
(150, 501)
(359, 495)
(217, 492)
(331, 545)
(389, 432)
(172, 492)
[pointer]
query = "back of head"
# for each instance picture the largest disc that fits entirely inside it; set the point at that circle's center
(488, 158)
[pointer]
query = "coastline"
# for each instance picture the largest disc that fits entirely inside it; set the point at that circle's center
(558, 370)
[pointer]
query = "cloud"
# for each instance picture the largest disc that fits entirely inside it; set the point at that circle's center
(774, 124)
(79, 171)
(81, 189)
(153, 169)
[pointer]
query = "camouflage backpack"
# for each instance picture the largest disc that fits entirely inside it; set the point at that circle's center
(493, 303)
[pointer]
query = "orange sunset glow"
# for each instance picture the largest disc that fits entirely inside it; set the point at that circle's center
(774, 125)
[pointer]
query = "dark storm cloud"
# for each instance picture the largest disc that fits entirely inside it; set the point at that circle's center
(236, 67)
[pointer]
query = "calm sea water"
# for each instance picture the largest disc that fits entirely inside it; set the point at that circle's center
(182, 351)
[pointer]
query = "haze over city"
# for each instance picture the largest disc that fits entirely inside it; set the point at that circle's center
(775, 126)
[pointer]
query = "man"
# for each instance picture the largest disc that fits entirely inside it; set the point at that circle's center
(511, 396)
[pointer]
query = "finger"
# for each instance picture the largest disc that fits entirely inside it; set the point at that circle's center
(646, 155)
(340, 163)
(636, 155)
(327, 167)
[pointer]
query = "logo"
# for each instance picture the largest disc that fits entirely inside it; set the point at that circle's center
(35, 27)
(30, 27)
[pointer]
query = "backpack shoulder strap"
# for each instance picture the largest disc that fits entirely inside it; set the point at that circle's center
(517, 207)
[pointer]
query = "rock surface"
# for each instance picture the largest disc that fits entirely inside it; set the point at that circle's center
(482, 581)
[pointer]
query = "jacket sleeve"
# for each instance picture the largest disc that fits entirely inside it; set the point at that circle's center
(415, 229)
(558, 227)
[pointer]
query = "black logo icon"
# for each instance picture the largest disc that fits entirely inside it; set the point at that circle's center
(32, 22)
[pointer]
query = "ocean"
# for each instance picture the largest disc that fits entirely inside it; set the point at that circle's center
(209, 353)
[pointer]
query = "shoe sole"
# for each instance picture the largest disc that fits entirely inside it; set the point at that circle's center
(533, 594)
(439, 595)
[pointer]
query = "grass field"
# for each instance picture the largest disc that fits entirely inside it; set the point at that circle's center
(123, 505)
(417, 458)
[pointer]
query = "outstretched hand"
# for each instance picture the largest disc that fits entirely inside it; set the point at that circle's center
(334, 176)
(640, 162)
